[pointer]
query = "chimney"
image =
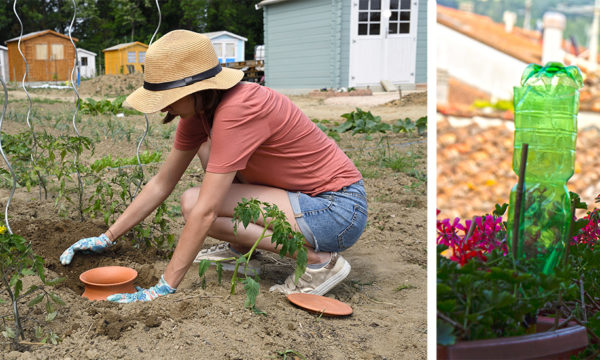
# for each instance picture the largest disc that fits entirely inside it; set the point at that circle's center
(510, 18)
(442, 87)
(554, 24)
(594, 38)
(527, 16)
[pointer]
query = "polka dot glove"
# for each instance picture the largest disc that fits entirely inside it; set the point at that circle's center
(160, 289)
(93, 244)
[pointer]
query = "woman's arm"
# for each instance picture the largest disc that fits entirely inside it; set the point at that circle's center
(153, 193)
(212, 193)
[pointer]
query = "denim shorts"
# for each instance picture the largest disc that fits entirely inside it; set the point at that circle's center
(331, 221)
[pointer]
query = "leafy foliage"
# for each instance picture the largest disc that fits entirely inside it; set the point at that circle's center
(105, 106)
(109, 162)
(495, 296)
(364, 122)
(53, 156)
(114, 192)
(288, 241)
(17, 260)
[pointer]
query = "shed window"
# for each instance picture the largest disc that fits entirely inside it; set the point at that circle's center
(400, 17)
(225, 52)
(84, 61)
(142, 57)
(369, 17)
(41, 51)
(131, 56)
(57, 52)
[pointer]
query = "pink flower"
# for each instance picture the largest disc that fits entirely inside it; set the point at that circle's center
(590, 233)
(488, 234)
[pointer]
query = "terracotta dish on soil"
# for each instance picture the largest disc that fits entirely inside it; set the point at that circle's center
(101, 282)
(320, 304)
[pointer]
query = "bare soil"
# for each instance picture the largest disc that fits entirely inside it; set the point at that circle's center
(386, 287)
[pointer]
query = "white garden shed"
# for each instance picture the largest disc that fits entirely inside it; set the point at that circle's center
(87, 63)
(313, 44)
(4, 63)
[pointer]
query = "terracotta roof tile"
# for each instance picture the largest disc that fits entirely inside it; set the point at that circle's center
(522, 44)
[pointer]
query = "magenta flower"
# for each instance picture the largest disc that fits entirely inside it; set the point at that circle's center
(488, 234)
(590, 233)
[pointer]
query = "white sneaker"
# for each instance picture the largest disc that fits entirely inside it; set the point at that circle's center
(223, 251)
(317, 281)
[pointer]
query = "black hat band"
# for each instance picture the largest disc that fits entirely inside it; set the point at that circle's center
(183, 82)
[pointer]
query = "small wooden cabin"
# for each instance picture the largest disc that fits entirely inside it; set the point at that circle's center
(125, 58)
(87, 63)
(50, 56)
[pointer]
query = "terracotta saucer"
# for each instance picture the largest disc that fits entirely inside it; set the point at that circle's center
(320, 304)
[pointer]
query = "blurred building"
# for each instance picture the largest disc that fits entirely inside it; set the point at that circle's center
(50, 56)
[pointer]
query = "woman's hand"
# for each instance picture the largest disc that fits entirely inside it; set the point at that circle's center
(160, 289)
(94, 244)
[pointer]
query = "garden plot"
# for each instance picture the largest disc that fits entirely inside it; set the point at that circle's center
(386, 287)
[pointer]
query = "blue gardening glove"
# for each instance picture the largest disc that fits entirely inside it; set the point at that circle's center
(160, 289)
(93, 244)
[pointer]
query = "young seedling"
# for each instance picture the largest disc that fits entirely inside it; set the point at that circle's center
(16, 261)
(276, 228)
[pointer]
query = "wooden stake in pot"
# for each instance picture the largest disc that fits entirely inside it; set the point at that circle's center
(519, 198)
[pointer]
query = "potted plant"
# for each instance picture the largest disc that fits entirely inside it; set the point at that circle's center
(491, 305)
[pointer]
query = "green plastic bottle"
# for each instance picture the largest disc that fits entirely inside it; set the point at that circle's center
(546, 106)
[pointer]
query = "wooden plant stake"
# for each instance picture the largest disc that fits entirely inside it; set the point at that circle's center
(471, 228)
(519, 198)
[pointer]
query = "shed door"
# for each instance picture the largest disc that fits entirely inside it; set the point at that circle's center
(383, 41)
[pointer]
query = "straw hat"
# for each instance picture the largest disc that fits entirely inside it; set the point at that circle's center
(178, 64)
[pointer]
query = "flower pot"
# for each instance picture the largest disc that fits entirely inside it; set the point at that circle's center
(108, 280)
(552, 345)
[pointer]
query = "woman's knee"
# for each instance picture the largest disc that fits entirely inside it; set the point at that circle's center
(188, 200)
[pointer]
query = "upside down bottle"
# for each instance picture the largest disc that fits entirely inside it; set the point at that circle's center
(546, 106)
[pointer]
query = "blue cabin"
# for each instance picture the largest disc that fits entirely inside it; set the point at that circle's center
(228, 46)
(313, 44)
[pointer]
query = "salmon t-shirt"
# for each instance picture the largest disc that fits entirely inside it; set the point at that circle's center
(266, 138)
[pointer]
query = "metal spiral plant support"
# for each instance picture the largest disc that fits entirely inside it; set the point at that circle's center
(12, 173)
(137, 151)
(77, 98)
(34, 138)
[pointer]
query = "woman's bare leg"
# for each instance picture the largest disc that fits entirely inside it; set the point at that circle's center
(222, 228)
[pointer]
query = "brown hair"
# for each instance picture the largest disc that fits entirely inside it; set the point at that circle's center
(205, 103)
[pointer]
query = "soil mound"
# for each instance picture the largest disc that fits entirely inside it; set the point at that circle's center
(111, 85)
(416, 98)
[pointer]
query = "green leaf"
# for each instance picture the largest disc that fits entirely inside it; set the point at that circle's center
(301, 260)
(445, 334)
(9, 333)
(219, 273)
(55, 281)
(252, 288)
(49, 307)
(27, 272)
(51, 316)
(36, 300)
(18, 288)
(202, 267)
(56, 299)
